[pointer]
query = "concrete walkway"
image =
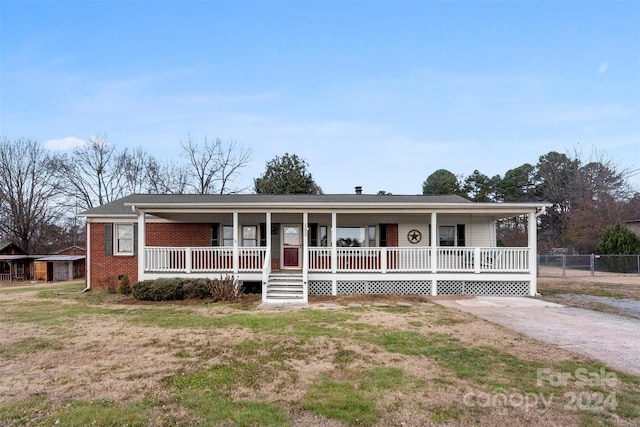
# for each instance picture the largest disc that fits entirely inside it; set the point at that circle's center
(612, 339)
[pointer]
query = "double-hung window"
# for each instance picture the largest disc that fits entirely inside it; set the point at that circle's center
(446, 235)
(227, 235)
(124, 239)
(249, 236)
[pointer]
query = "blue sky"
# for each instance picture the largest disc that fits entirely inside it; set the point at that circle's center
(377, 94)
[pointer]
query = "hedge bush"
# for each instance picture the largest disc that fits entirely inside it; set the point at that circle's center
(196, 288)
(159, 290)
(167, 289)
(125, 285)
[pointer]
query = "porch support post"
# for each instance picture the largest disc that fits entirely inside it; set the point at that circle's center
(236, 261)
(87, 267)
(533, 250)
(267, 229)
(334, 253)
(305, 256)
(142, 242)
(434, 252)
(266, 269)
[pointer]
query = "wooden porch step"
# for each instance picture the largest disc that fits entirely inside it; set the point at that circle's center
(285, 286)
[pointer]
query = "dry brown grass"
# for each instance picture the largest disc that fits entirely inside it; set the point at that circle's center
(106, 356)
(627, 285)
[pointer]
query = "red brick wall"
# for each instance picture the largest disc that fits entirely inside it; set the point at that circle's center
(107, 268)
(392, 235)
(182, 235)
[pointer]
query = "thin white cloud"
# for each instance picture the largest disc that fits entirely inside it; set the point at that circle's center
(64, 144)
(603, 67)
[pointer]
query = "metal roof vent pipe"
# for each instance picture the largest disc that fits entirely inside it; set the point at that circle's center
(358, 189)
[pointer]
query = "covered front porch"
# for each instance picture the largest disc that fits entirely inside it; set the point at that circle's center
(294, 255)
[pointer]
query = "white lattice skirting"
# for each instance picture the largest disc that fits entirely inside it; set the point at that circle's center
(400, 287)
(479, 288)
(422, 287)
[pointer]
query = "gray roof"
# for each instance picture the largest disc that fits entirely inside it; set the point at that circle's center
(123, 206)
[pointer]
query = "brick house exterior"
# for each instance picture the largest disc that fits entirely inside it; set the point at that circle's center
(296, 245)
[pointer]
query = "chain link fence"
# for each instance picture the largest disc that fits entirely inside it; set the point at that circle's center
(587, 265)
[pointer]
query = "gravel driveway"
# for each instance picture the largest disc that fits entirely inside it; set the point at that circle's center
(612, 339)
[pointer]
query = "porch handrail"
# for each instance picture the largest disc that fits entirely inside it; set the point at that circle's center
(319, 258)
(508, 260)
(408, 259)
(251, 258)
(217, 259)
(266, 272)
(165, 259)
(455, 258)
(360, 259)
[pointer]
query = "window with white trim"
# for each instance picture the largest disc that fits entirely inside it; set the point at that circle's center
(123, 239)
(447, 235)
(351, 236)
(227, 235)
(249, 236)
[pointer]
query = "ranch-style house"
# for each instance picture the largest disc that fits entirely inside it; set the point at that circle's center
(292, 246)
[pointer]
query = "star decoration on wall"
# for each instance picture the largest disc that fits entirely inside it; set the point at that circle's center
(414, 236)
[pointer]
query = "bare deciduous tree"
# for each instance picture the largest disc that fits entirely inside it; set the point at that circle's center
(30, 193)
(133, 164)
(214, 165)
(93, 173)
(165, 177)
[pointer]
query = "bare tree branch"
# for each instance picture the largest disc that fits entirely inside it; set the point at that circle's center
(213, 165)
(31, 195)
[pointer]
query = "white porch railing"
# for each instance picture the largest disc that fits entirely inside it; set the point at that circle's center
(197, 260)
(408, 259)
(319, 259)
(251, 259)
(455, 259)
(383, 260)
(211, 259)
(359, 259)
(504, 260)
(165, 260)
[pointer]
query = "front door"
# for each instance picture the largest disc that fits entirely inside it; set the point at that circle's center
(291, 246)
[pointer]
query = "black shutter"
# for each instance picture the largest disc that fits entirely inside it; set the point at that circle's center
(383, 235)
(135, 239)
(461, 235)
(108, 239)
(215, 234)
(263, 234)
(313, 235)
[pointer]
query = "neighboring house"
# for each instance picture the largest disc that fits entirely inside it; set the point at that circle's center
(67, 264)
(14, 263)
(300, 245)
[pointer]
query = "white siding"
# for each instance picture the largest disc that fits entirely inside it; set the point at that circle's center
(482, 233)
(404, 229)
